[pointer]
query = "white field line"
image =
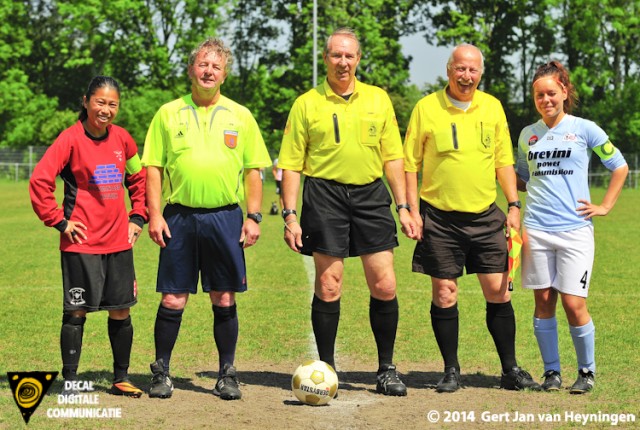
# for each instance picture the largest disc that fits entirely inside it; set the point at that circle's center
(351, 403)
(309, 267)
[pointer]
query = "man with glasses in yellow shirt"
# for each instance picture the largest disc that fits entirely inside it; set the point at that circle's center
(460, 139)
(342, 135)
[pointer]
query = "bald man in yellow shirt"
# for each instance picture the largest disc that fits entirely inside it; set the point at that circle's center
(459, 137)
(343, 135)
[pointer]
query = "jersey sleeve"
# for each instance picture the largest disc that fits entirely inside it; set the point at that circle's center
(256, 155)
(522, 167)
(135, 179)
(42, 184)
(154, 153)
(414, 141)
(598, 141)
(294, 140)
(391, 142)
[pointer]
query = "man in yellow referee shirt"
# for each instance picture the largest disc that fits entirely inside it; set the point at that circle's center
(459, 137)
(342, 135)
(203, 154)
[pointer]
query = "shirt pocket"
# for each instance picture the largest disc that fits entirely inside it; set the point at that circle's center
(178, 136)
(324, 131)
(371, 126)
(446, 139)
(486, 136)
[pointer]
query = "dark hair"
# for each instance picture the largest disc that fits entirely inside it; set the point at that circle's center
(557, 70)
(97, 82)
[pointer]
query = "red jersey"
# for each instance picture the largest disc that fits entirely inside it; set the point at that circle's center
(93, 171)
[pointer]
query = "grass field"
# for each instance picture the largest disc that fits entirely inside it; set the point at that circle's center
(274, 314)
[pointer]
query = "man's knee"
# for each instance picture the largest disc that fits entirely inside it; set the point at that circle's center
(174, 301)
(444, 293)
(384, 289)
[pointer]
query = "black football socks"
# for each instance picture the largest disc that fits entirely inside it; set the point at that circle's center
(445, 324)
(501, 323)
(325, 317)
(166, 332)
(383, 316)
(121, 338)
(225, 333)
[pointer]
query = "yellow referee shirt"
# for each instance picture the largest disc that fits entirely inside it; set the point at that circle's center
(458, 151)
(204, 151)
(346, 141)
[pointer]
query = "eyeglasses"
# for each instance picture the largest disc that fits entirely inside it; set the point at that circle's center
(461, 69)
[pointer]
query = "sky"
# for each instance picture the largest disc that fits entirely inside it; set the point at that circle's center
(428, 62)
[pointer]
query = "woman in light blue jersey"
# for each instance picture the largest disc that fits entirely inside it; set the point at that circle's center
(552, 166)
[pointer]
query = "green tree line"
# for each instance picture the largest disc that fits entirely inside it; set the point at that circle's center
(50, 49)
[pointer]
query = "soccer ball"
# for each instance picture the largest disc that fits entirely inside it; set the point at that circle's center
(314, 383)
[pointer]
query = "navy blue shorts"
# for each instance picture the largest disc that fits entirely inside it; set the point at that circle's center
(453, 241)
(346, 220)
(94, 282)
(206, 242)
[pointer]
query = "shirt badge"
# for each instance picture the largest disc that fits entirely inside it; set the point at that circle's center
(231, 138)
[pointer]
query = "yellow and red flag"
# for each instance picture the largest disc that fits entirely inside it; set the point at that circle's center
(514, 245)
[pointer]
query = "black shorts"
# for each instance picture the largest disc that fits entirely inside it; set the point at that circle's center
(346, 220)
(203, 242)
(453, 241)
(94, 282)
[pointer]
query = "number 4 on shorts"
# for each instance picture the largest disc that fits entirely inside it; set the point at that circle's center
(583, 281)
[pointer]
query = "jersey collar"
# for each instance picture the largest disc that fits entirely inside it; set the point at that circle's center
(330, 93)
(445, 99)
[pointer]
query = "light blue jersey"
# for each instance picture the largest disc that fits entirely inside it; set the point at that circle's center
(555, 164)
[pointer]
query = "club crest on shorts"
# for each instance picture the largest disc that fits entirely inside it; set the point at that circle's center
(231, 138)
(77, 296)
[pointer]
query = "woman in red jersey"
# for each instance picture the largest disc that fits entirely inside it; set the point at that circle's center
(96, 160)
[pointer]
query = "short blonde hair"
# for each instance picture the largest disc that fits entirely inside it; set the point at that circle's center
(343, 31)
(212, 44)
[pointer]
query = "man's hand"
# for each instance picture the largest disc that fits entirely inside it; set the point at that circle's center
(293, 235)
(408, 224)
(158, 230)
(250, 233)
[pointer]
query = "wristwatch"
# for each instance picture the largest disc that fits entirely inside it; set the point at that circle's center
(287, 212)
(257, 217)
(406, 206)
(515, 204)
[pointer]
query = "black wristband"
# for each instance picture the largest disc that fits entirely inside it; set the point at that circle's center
(287, 212)
(137, 220)
(406, 206)
(62, 225)
(515, 204)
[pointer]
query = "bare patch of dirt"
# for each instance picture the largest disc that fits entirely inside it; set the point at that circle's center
(268, 403)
